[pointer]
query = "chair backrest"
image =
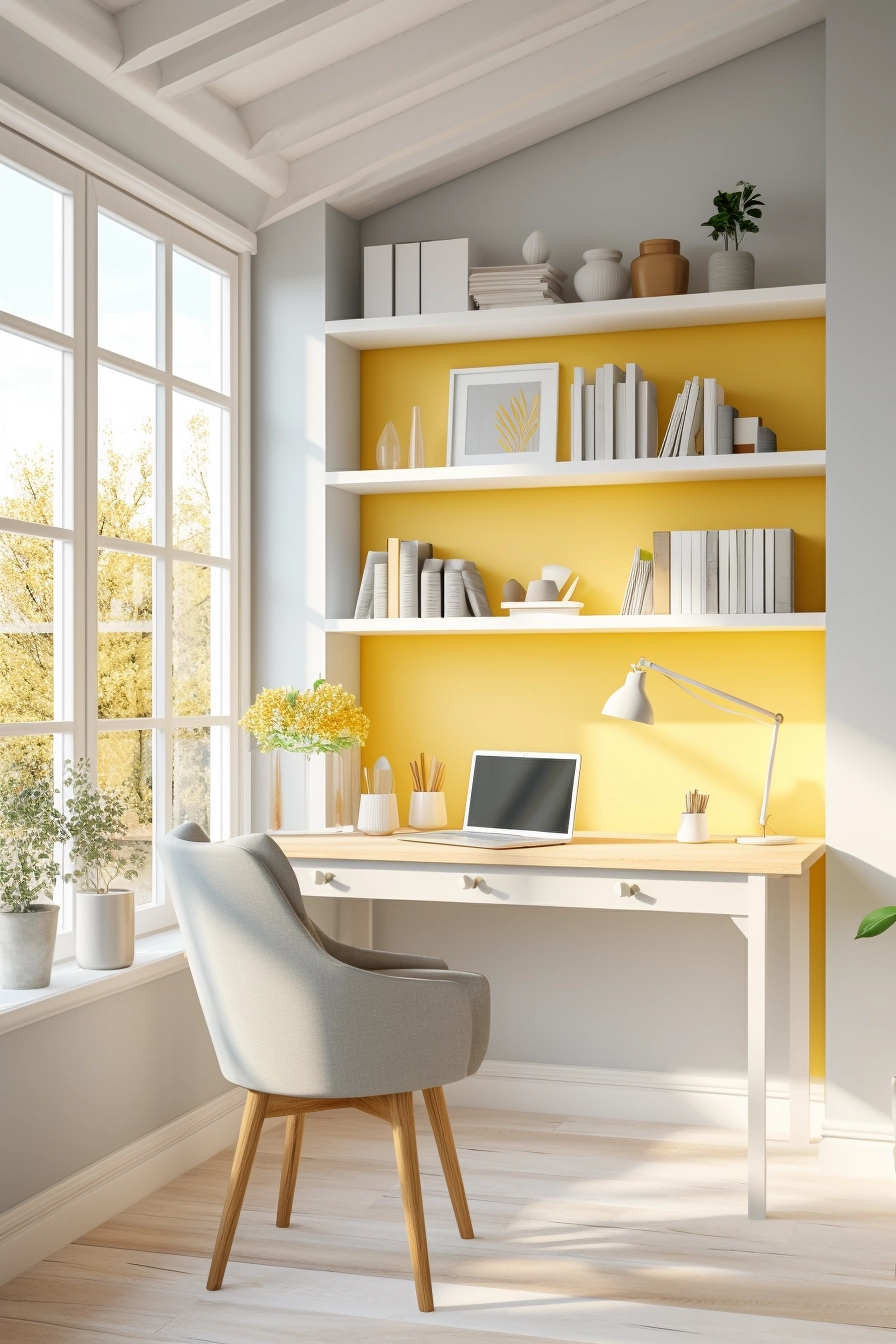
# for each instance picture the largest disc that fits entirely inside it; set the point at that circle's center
(258, 967)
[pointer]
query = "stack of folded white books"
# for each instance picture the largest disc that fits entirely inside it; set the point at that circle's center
(516, 286)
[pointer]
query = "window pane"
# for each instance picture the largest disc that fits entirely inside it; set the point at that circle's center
(198, 503)
(126, 417)
(31, 758)
(191, 775)
(200, 298)
(126, 291)
(26, 628)
(124, 762)
(124, 644)
(32, 249)
(33, 431)
(191, 640)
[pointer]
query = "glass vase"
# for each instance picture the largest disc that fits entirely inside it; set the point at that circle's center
(312, 792)
(416, 451)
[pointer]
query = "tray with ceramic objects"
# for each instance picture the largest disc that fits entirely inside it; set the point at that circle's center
(561, 610)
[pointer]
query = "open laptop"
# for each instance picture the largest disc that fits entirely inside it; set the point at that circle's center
(516, 799)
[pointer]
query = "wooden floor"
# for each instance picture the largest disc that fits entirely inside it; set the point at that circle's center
(586, 1230)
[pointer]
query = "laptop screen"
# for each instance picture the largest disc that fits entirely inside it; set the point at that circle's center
(522, 792)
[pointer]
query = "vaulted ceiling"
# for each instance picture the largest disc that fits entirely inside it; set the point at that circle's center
(363, 103)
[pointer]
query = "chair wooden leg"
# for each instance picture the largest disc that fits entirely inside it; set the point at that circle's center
(404, 1135)
(292, 1149)
(437, 1111)
(246, 1144)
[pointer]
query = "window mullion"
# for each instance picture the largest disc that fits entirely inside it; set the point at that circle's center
(163, 707)
(88, 475)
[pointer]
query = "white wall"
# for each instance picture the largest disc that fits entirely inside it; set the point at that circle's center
(861, 820)
(651, 170)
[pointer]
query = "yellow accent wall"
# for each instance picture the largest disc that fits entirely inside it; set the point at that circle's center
(450, 695)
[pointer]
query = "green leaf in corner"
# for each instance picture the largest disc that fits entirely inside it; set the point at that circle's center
(877, 922)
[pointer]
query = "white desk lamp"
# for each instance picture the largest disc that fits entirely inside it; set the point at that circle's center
(630, 702)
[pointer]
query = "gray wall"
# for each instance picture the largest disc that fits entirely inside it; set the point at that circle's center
(35, 72)
(861, 820)
(78, 1086)
(651, 170)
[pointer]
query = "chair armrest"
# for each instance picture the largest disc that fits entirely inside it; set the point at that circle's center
(367, 959)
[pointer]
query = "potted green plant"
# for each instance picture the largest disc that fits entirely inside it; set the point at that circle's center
(100, 852)
(30, 829)
(735, 217)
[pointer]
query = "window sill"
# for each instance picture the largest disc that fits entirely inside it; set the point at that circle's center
(157, 955)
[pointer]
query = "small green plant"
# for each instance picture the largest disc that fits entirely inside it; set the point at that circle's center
(735, 210)
(100, 849)
(877, 922)
(30, 828)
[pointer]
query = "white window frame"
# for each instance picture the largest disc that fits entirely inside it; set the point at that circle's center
(76, 725)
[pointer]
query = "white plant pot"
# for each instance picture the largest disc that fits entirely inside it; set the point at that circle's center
(428, 811)
(731, 270)
(27, 944)
(601, 277)
(694, 828)
(104, 930)
(378, 814)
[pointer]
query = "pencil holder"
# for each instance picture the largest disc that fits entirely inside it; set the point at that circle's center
(378, 813)
(428, 812)
(694, 828)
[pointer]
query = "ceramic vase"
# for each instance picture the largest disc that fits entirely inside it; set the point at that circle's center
(660, 269)
(427, 811)
(27, 944)
(378, 813)
(731, 270)
(104, 930)
(694, 828)
(313, 792)
(601, 277)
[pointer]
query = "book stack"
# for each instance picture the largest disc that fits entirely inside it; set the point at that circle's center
(700, 409)
(729, 572)
(638, 600)
(516, 286)
(613, 417)
(406, 582)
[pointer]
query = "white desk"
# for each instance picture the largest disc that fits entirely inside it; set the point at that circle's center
(599, 873)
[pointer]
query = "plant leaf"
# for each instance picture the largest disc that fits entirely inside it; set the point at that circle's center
(878, 921)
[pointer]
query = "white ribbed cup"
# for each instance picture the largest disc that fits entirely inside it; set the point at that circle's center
(428, 811)
(378, 813)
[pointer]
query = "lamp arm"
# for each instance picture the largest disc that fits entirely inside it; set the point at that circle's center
(763, 813)
(647, 665)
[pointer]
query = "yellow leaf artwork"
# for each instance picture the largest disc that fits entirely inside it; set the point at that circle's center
(518, 425)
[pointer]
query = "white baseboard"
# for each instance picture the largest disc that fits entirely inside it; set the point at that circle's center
(850, 1149)
(34, 1229)
(626, 1094)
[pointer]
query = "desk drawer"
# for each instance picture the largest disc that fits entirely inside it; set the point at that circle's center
(602, 889)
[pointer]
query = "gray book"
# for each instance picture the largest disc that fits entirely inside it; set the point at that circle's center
(768, 603)
(455, 594)
(758, 570)
(600, 451)
(784, 569)
(711, 574)
(725, 416)
(364, 605)
(476, 594)
(741, 571)
(433, 566)
(766, 440)
(588, 442)
(412, 554)
(431, 592)
(381, 591)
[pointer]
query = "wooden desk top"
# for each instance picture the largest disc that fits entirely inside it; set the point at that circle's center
(587, 850)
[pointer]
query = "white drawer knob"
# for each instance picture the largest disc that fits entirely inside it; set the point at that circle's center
(625, 888)
(321, 879)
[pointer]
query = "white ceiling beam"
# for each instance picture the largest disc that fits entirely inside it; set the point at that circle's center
(538, 97)
(152, 29)
(415, 66)
(283, 25)
(80, 30)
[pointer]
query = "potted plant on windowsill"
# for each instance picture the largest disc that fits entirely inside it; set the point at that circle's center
(735, 217)
(100, 852)
(30, 829)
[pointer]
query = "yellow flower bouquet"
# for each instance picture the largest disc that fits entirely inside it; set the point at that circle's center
(325, 718)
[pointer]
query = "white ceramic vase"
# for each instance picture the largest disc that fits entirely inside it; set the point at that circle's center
(378, 813)
(602, 277)
(27, 944)
(104, 930)
(694, 828)
(731, 270)
(427, 812)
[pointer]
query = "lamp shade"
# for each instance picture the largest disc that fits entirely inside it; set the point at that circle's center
(630, 701)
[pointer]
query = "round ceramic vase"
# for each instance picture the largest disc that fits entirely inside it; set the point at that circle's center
(659, 269)
(731, 270)
(378, 813)
(601, 277)
(27, 944)
(104, 930)
(694, 828)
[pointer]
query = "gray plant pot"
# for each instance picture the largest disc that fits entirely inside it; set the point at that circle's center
(104, 930)
(27, 944)
(731, 270)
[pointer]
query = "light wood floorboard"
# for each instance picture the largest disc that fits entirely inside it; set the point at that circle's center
(585, 1230)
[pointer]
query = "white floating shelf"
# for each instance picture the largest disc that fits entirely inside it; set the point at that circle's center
(578, 319)
(523, 476)
(581, 625)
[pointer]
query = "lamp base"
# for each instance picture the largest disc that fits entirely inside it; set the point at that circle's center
(766, 839)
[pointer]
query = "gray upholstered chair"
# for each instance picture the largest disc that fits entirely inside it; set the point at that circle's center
(305, 1023)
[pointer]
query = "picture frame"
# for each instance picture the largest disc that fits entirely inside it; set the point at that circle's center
(490, 415)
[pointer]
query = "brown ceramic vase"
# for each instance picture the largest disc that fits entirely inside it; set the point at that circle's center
(660, 269)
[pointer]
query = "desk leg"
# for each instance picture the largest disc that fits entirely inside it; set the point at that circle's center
(757, 950)
(799, 1011)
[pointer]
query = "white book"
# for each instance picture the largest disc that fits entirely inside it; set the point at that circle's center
(691, 421)
(746, 432)
(600, 451)
(675, 573)
(669, 436)
(411, 557)
(455, 593)
(713, 398)
(711, 587)
(675, 450)
(381, 590)
(612, 375)
(698, 573)
(758, 570)
(407, 279)
(768, 603)
(364, 605)
(741, 571)
(724, 577)
(627, 608)
(784, 571)
(646, 437)
(445, 275)
(577, 415)
(378, 262)
(732, 571)
(748, 570)
(431, 592)
(634, 377)
(686, 608)
(619, 432)
(588, 442)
